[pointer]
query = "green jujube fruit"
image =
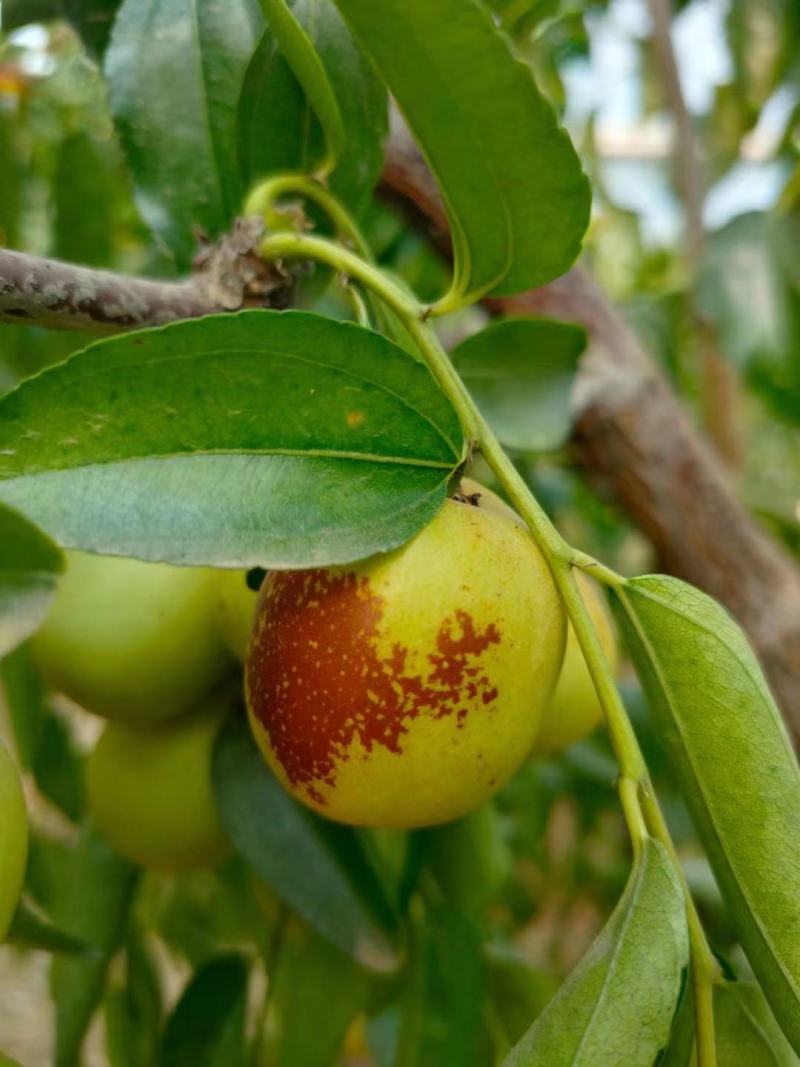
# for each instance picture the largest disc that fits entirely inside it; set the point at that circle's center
(132, 641)
(150, 792)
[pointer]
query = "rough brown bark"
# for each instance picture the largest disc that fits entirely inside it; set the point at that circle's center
(228, 276)
(637, 443)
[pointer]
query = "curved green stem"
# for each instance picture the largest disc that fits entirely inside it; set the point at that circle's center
(266, 194)
(642, 813)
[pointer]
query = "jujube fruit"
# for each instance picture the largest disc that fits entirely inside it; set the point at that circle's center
(575, 709)
(151, 795)
(133, 641)
(13, 840)
(405, 689)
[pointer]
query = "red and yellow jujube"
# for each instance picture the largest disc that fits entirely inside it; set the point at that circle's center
(405, 689)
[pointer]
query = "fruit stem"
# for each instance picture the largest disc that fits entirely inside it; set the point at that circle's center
(640, 807)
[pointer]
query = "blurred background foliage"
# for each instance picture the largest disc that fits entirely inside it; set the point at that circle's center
(513, 898)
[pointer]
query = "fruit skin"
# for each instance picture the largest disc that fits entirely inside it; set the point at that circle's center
(150, 792)
(236, 611)
(13, 840)
(575, 709)
(405, 689)
(132, 641)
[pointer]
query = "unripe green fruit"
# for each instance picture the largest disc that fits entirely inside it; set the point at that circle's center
(13, 840)
(405, 689)
(236, 611)
(575, 709)
(132, 641)
(151, 795)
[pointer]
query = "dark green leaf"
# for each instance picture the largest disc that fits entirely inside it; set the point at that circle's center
(441, 1021)
(316, 981)
(517, 199)
(10, 180)
(520, 373)
(299, 51)
(470, 859)
(518, 991)
(133, 1007)
(275, 131)
(93, 20)
(25, 700)
(29, 929)
(58, 767)
(175, 70)
(207, 1025)
(319, 868)
(94, 910)
(83, 176)
(735, 766)
(42, 737)
(263, 438)
(617, 1005)
(279, 131)
(29, 567)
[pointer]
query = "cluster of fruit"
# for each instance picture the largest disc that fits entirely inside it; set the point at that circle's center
(398, 691)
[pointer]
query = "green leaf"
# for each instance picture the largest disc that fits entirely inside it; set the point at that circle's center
(83, 176)
(516, 196)
(617, 1005)
(740, 1037)
(309, 970)
(175, 70)
(518, 991)
(322, 870)
(520, 373)
(729, 751)
(262, 438)
(133, 1007)
(753, 1001)
(31, 930)
(25, 700)
(745, 1030)
(94, 909)
(470, 860)
(59, 767)
(307, 67)
(207, 1025)
(441, 1020)
(29, 568)
(752, 320)
(43, 739)
(278, 129)
(10, 180)
(93, 20)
